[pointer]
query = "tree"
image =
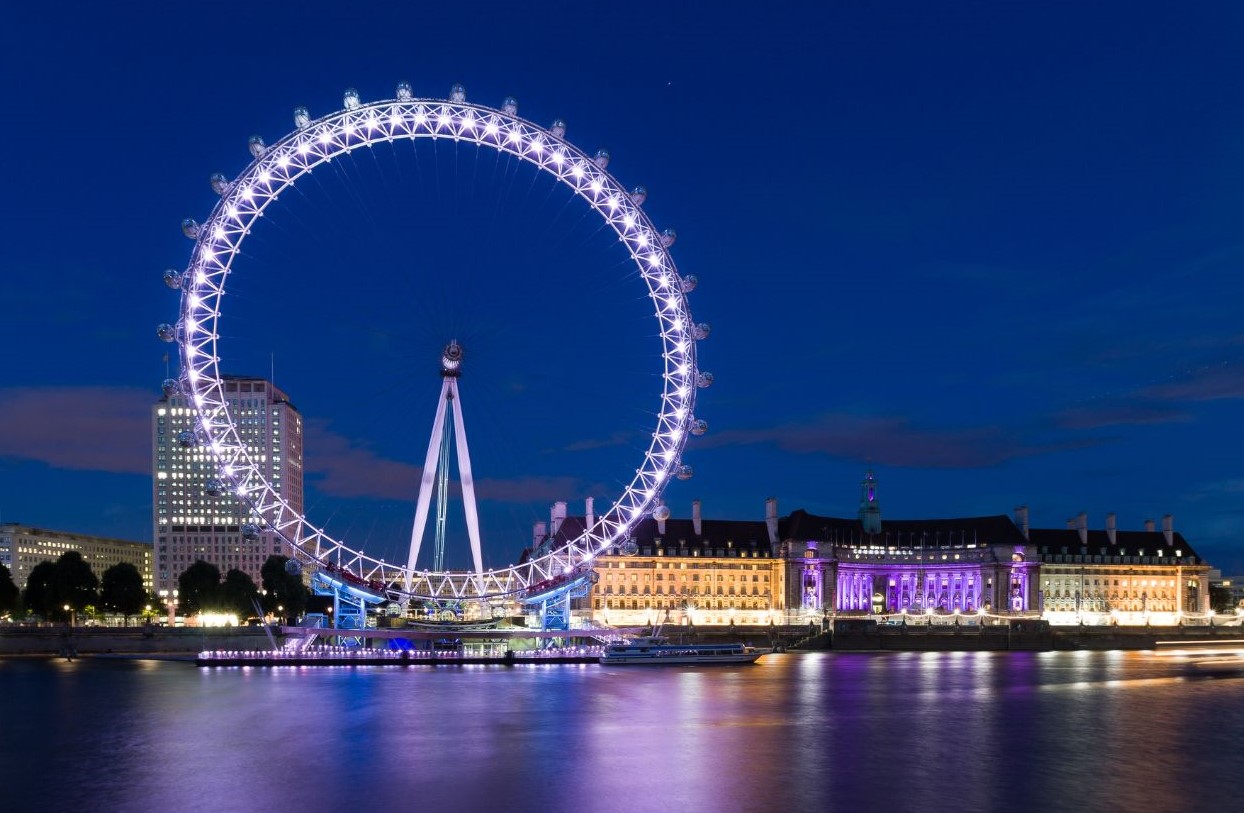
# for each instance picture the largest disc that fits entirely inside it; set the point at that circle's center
(197, 587)
(76, 584)
(282, 588)
(122, 590)
(40, 593)
(238, 593)
(1220, 598)
(9, 594)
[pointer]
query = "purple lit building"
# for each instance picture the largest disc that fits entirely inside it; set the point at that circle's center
(967, 564)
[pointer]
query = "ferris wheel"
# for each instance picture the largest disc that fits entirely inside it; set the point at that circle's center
(359, 125)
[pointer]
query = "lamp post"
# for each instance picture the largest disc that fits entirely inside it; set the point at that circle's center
(170, 602)
(69, 615)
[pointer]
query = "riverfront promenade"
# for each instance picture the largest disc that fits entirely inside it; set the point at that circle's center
(847, 635)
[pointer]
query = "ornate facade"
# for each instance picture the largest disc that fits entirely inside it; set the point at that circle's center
(804, 567)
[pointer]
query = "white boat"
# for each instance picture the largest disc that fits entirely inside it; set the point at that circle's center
(658, 651)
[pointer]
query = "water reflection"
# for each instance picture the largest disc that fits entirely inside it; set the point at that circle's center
(823, 732)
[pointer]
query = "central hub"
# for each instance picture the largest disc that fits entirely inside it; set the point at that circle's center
(451, 359)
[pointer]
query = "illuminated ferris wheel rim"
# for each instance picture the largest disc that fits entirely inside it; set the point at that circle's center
(317, 141)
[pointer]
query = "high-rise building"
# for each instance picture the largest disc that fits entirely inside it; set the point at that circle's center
(189, 523)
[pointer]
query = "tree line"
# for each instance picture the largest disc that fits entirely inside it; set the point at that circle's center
(68, 588)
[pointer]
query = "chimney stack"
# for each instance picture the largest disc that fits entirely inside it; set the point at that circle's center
(1111, 526)
(589, 516)
(538, 534)
(696, 522)
(1082, 527)
(771, 519)
(1149, 526)
(1021, 519)
(556, 517)
(1168, 529)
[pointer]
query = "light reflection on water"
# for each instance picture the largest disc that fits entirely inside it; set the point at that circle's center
(815, 732)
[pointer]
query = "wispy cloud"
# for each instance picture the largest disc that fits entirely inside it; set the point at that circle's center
(1169, 401)
(528, 489)
(1118, 413)
(81, 428)
(616, 439)
(896, 441)
(338, 466)
(1209, 383)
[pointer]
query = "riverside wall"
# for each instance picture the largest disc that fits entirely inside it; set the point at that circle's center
(138, 640)
(846, 635)
(864, 635)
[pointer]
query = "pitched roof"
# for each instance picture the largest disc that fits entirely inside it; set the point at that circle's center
(714, 533)
(1052, 541)
(991, 530)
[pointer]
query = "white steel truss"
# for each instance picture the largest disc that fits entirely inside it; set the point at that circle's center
(313, 142)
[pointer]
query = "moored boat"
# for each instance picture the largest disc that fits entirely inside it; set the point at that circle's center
(656, 651)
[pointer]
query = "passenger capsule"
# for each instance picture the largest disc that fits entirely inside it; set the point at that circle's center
(302, 118)
(250, 532)
(293, 567)
(169, 386)
(638, 195)
(629, 548)
(699, 426)
(661, 513)
(668, 237)
(186, 439)
(689, 282)
(403, 92)
(457, 93)
(214, 488)
(172, 278)
(167, 333)
(190, 228)
(601, 159)
(350, 98)
(704, 380)
(510, 106)
(256, 146)
(684, 472)
(558, 129)
(701, 331)
(220, 184)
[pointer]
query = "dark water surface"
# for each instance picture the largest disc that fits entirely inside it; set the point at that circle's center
(808, 732)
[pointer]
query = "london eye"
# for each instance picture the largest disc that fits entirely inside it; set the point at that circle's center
(359, 125)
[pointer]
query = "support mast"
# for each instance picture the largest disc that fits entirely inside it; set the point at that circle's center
(448, 430)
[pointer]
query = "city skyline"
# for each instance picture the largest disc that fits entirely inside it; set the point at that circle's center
(987, 252)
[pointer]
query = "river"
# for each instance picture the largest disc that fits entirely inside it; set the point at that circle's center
(971, 732)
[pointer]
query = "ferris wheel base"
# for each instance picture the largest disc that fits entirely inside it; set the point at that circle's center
(553, 600)
(350, 602)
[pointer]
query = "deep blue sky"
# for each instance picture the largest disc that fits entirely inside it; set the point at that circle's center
(992, 250)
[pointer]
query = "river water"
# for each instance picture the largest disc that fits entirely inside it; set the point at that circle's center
(795, 732)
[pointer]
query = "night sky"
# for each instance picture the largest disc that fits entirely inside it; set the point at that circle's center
(991, 250)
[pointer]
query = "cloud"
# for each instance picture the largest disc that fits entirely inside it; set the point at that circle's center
(1210, 383)
(895, 441)
(104, 429)
(528, 489)
(1117, 413)
(614, 440)
(338, 466)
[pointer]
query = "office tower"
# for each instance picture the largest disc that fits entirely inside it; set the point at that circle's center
(189, 522)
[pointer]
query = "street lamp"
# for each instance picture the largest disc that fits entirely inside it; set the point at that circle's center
(69, 613)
